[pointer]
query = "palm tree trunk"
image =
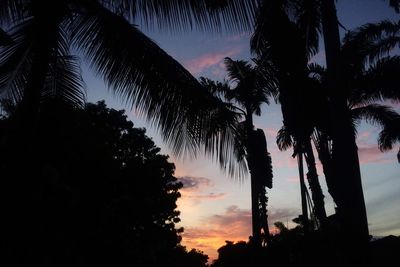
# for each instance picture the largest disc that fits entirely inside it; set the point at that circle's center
(350, 198)
(255, 214)
(324, 155)
(303, 189)
(312, 177)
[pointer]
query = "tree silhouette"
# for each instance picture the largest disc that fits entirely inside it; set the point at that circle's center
(101, 195)
(38, 63)
(251, 88)
(321, 17)
(288, 48)
(371, 75)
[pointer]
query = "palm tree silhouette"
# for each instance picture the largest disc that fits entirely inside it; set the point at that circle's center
(322, 17)
(245, 91)
(289, 47)
(371, 74)
(132, 65)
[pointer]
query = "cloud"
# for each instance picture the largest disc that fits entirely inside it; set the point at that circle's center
(234, 225)
(372, 154)
(209, 60)
(194, 183)
(193, 190)
(209, 196)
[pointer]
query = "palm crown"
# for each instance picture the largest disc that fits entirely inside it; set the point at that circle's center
(38, 64)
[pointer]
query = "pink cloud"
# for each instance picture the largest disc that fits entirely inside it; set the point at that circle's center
(206, 61)
(209, 196)
(372, 154)
(193, 190)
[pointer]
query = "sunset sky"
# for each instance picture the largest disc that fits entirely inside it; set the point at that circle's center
(215, 207)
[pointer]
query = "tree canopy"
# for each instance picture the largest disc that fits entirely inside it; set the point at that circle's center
(99, 191)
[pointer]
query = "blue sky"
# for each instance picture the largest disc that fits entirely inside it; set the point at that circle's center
(215, 207)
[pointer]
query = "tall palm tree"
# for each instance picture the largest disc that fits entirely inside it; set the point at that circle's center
(247, 91)
(289, 46)
(103, 33)
(322, 15)
(371, 75)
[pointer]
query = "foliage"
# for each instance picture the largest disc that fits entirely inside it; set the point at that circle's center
(38, 64)
(98, 190)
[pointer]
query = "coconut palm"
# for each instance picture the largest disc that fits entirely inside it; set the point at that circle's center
(132, 65)
(289, 46)
(245, 91)
(371, 75)
(345, 162)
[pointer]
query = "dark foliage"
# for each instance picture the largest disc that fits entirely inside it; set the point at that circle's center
(290, 247)
(92, 190)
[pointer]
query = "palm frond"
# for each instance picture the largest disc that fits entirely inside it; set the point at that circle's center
(378, 83)
(252, 85)
(369, 43)
(64, 82)
(225, 136)
(395, 4)
(238, 70)
(389, 136)
(168, 96)
(13, 11)
(372, 32)
(15, 62)
(207, 15)
(223, 141)
(309, 22)
(375, 114)
(284, 139)
(216, 88)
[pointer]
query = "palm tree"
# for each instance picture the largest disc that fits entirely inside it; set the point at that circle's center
(250, 90)
(371, 75)
(39, 65)
(345, 160)
(322, 15)
(44, 32)
(289, 47)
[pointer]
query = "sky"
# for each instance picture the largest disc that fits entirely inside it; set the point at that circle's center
(215, 207)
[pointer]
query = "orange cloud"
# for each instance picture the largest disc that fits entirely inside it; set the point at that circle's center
(193, 193)
(233, 225)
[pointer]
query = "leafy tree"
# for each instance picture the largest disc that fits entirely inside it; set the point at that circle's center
(100, 195)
